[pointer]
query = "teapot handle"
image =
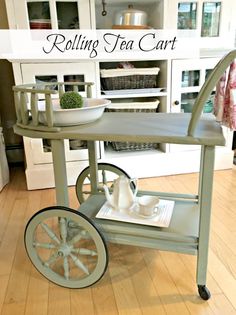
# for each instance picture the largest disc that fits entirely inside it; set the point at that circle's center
(135, 181)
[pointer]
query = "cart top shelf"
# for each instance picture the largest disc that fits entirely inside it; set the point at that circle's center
(139, 127)
(194, 128)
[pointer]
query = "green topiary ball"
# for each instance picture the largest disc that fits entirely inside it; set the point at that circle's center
(71, 100)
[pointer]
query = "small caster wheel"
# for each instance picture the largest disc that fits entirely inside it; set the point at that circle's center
(106, 174)
(66, 247)
(204, 292)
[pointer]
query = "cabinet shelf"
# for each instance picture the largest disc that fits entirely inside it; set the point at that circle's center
(111, 153)
(134, 93)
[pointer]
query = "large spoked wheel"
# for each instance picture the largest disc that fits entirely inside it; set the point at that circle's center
(66, 247)
(106, 174)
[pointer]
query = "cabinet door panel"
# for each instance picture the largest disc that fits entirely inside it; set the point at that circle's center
(84, 71)
(187, 78)
(40, 151)
(47, 14)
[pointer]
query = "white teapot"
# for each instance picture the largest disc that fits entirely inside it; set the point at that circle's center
(122, 197)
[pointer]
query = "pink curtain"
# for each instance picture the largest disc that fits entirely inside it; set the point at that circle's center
(225, 98)
(219, 98)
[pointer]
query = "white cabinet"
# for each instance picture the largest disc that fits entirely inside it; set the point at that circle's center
(178, 82)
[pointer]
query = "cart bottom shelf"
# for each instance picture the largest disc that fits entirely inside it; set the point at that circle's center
(180, 236)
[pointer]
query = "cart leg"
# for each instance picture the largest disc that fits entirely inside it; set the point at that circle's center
(93, 166)
(59, 166)
(205, 195)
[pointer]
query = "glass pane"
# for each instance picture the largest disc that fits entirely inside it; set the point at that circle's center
(190, 78)
(39, 15)
(187, 15)
(208, 71)
(187, 101)
(208, 107)
(74, 78)
(47, 145)
(210, 19)
(46, 78)
(67, 15)
(40, 79)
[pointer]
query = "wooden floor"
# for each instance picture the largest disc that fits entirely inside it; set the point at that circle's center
(138, 280)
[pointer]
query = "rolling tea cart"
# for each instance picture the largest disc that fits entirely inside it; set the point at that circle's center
(68, 246)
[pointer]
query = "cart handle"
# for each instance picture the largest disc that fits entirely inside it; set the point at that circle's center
(207, 88)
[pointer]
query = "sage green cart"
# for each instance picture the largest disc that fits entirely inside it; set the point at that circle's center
(68, 246)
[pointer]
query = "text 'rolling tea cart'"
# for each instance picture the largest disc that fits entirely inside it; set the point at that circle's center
(68, 246)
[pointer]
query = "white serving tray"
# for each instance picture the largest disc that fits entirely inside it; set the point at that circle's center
(161, 219)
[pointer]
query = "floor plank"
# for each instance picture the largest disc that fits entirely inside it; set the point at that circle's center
(167, 290)
(185, 283)
(82, 299)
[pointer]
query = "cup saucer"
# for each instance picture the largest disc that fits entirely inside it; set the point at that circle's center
(135, 210)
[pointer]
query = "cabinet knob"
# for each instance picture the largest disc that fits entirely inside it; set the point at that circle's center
(176, 102)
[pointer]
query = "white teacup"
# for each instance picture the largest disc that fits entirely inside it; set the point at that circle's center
(148, 205)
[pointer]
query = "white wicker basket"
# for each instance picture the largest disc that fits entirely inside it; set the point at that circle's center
(134, 78)
(141, 106)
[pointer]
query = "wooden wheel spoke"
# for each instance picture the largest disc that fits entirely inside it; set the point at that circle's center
(79, 264)
(66, 268)
(50, 232)
(84, 251)
(63, 229)
(77, 237)
(51, 260)
(44, 245)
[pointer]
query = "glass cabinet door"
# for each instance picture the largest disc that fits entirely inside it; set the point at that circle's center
(52, 14)
(187, 78)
